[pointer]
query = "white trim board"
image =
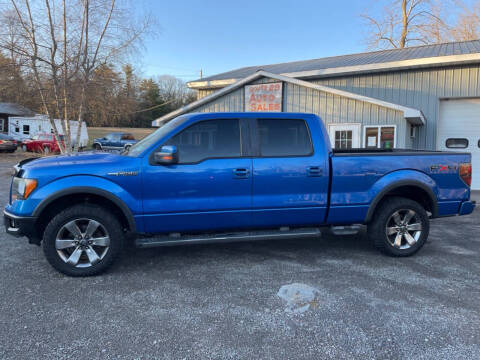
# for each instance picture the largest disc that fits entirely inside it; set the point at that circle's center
(414, 116)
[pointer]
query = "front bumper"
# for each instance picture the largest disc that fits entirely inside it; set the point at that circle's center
(21, 226)
(467, 207)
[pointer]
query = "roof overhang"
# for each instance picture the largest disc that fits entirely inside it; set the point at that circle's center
(436, 61)
(414, 116)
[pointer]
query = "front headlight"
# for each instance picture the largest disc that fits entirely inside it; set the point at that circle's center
(22, 188)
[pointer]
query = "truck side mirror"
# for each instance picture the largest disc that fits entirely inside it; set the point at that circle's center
(167, 155)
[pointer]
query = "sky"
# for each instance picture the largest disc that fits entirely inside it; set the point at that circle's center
(217, 36)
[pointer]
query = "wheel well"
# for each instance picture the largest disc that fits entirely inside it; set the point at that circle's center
(67, 201)
(412, 192)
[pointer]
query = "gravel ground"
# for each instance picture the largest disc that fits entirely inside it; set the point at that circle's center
(222, 301)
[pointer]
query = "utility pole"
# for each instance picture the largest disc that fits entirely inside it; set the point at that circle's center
(201, 74)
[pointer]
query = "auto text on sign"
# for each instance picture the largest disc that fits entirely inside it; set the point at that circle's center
(263, 97)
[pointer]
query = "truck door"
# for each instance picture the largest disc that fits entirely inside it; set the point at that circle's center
(211, 186)
(290, 173)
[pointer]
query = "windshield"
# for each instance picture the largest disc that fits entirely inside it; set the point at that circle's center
(154, 137)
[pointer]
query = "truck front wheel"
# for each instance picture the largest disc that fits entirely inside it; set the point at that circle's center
(83, 240)
(399, 227)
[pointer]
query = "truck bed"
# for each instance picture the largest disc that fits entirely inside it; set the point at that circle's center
(392, 152)
(359, 174)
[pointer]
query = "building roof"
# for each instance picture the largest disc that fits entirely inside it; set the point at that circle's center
(414, 116)
(427, 55)
(14, 109)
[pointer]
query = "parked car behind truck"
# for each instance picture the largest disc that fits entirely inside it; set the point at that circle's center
(7, 143)
(44, 143)
(117, 141)
(216, 177)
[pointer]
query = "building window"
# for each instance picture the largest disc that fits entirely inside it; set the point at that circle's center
(455, 143)
(380, 137)
(2, 124)
(343, 139)
(17, 129)
(413, 131)
(26, 129)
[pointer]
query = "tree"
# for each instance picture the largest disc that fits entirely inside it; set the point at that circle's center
(467, 26)
(406, 22)
(63, 44)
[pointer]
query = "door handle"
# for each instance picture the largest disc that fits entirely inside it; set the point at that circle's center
(314, 171)
(241, 173)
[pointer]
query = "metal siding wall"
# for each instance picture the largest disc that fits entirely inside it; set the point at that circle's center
(203, 93)
(232, 102)
(420, 89)
(335, 109)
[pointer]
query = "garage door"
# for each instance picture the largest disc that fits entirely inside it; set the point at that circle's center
(459, 130)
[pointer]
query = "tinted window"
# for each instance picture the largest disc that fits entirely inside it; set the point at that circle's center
(454, 143)
(5, 137)
(208, 139)
(284, 137)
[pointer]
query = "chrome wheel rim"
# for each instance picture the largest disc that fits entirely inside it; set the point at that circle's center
(404, 228)
(82, 242)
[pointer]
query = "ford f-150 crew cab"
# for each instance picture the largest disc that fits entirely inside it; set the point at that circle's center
(215, 177)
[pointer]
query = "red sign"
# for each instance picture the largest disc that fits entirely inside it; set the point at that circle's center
(263, 97)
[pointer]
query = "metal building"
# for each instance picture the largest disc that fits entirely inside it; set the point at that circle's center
(425, 97)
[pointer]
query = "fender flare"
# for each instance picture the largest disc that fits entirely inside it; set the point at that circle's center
(397, 184)
(97, 143)
(88, 190)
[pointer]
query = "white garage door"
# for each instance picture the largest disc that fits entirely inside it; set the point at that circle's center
(459, 130)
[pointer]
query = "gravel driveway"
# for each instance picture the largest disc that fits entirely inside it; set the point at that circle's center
(222, 301)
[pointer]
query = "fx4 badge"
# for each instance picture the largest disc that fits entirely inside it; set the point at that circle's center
(443, 168)
(123, 173)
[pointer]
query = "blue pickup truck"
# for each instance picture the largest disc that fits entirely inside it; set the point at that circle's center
(118, 141)
(219, 177)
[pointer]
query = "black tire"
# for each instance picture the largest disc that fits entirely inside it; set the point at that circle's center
(97, 147)
(89, 211)
(383, 218)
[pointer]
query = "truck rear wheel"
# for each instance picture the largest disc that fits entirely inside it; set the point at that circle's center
(83, 240)
(399, 227)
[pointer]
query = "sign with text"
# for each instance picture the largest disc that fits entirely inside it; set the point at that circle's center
(263, 97)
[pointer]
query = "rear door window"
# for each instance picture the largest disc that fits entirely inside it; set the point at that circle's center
(284, 137)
